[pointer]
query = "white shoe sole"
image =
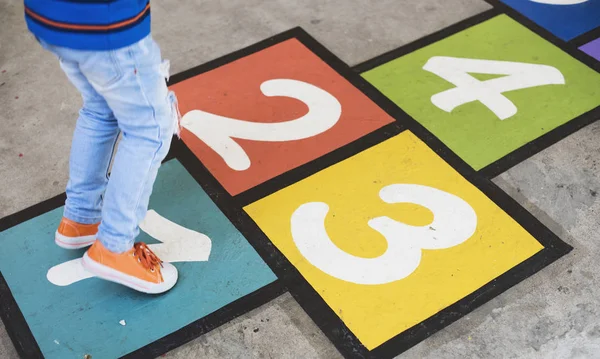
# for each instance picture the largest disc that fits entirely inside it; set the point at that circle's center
(73, 242)
(112, 275)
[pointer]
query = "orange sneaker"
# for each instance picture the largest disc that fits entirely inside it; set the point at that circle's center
(138, 268)
(73, 235)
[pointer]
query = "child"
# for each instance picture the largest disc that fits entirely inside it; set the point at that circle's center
(106, 50)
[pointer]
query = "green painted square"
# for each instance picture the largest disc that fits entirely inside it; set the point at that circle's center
(472, 130)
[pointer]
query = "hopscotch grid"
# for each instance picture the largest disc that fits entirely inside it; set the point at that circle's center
(329, 322)
(289, 277)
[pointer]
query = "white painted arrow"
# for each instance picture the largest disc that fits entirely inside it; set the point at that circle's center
(179, 244)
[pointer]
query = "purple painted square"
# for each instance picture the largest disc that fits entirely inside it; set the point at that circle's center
(592, 49)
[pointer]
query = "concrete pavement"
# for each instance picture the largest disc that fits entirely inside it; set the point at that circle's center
(554, 314)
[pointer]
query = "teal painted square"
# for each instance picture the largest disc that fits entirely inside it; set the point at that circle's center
(83, 318)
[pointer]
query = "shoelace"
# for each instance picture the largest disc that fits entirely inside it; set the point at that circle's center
(145, 256)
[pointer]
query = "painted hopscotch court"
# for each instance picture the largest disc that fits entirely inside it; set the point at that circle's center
(365, 192)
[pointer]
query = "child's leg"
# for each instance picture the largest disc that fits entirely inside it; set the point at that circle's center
(94, 138)
(132, 82)
(95, 135)
(141, 102)
(147, 117)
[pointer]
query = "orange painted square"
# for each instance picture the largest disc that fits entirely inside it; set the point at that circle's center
(233, 90)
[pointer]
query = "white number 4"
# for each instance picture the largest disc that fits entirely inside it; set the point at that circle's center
(468, 88)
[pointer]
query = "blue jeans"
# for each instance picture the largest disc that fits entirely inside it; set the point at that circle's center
(124, 91)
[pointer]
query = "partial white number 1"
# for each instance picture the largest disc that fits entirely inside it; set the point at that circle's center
(219, 132)
(178, 244)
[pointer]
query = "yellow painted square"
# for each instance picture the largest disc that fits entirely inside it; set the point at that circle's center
(377, 312)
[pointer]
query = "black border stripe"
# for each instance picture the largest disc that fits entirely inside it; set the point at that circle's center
(32, 211)
(15, 324)
(539, 144)
(233, 56)
(299, 173)
(586, 38)
(426, 40)
(212, 321)
(468, 304)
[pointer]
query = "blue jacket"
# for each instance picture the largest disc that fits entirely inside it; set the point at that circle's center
(89, 24)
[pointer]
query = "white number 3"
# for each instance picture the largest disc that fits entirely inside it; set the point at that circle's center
(454, 222)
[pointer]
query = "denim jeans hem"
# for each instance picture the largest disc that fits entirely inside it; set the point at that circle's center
(115, 244)
(81, 219)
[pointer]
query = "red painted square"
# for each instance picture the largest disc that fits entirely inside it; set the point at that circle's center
(234, 91)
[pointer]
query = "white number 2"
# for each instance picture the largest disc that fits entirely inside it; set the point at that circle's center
(454, 222)
(456, 71)
(218, 132)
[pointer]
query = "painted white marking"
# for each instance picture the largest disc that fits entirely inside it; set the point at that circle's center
(68, 273)
(454, 222)
(218, 132)
(560, 2)
(179, 244)
(468, 88)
